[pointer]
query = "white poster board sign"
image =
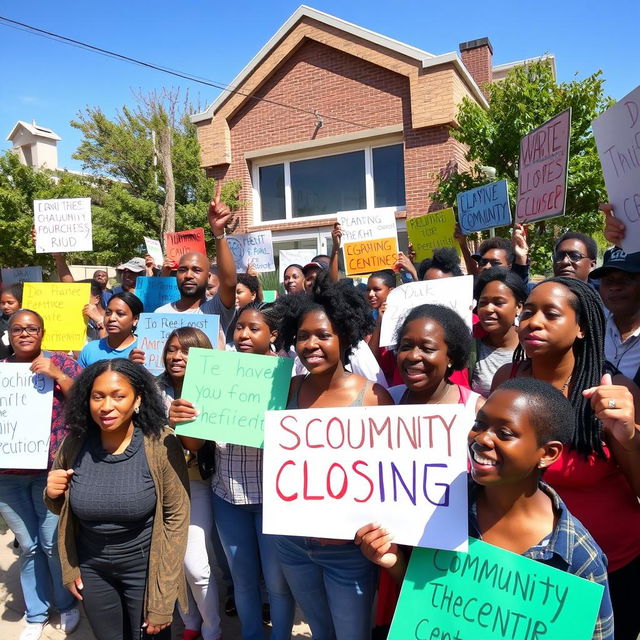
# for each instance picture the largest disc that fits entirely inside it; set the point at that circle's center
(617, 134)
(328, 472)
(252, 249)
(21, 274)
(455, 293)
(154, 249)
(288, 257)
(63, 224)
(25, 417)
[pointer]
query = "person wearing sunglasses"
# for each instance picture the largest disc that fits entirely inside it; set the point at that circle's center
(21, 490)
(575, 256)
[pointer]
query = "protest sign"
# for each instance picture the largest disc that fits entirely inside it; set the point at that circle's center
(287, 257)
(542, 170)
(60, 304)
(484, 207)
(432, 231)
(492, 594)
(21, 274)
(155, 292)
(154, 249)
(25, 417)
(455, 293)
(328, 472)
(63, 224)
(254, 249)
(181, 242)
(617, 134)
(231, 392)
(369, 240)
(154, 329)
(269, 296)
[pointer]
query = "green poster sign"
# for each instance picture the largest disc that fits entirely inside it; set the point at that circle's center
(269, 296)
(492, 594)
(231, 392)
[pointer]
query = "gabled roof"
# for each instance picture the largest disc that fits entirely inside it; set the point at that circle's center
(425, 58)
(34, 129)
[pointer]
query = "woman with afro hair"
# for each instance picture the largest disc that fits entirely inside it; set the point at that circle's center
(331, 580)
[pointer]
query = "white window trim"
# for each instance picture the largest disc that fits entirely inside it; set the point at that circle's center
(308, 155)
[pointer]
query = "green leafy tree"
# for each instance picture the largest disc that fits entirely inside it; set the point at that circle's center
(525, 99)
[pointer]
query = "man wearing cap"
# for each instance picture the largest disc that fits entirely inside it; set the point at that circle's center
(310, 272)
(128, 273)
(619, 278)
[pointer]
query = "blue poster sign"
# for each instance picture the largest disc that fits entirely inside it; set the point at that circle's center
(484, 207)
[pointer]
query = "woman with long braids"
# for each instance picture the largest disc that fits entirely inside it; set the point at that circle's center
(561, 336)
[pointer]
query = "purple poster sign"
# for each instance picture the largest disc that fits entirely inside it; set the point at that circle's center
(542, 171)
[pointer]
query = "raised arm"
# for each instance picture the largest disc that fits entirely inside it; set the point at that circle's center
(219, 216)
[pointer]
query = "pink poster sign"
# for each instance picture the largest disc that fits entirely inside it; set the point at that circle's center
(542, 171)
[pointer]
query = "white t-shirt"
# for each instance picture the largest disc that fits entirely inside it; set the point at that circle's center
(623, 355)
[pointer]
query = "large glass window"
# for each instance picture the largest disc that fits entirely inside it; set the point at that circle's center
(272, 192)
(388, 176)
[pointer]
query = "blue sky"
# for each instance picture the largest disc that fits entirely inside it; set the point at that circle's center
(51, 82)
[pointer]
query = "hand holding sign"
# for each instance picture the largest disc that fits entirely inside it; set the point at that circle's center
(377, 545)
(336, 237)
(613, 405)
(613, 228)
(519, 243)
(219, 212)
(181, 411)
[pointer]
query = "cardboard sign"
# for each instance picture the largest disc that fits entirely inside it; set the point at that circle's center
(231, 392)
(254, 249)
(432, 231)
(542, 170)
(293, 256)
(455, 293)
(25, 417)
(492, 594)
(617, 134)
(328, 472)
(154, 329)
(155, 292)
(21, 274)
(154, 249)
(181, 242)
(484, 207)
(369, 240)
(60, 304)
(63, 224)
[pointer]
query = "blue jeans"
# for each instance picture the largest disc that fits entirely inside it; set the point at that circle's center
(36, 529)
(333, 584)
(247, 549)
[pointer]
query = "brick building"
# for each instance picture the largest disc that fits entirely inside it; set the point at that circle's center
(348, 119)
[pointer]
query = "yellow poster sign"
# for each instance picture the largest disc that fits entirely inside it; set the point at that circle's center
(370, 255)
(432, 231)
(60, 304)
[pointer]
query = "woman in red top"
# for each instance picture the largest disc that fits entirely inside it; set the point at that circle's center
(561, 336)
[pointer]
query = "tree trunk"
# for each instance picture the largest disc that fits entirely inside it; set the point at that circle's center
(168, 209)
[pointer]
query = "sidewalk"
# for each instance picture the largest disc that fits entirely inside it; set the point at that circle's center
(12, 607)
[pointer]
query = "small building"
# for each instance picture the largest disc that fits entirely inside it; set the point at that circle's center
(329, 116)
(36, 145)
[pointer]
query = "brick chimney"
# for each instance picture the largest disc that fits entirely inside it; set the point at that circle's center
(477, 56)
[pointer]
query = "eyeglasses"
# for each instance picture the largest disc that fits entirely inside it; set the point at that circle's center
(574, 256)
(31, 330)
(483, 262)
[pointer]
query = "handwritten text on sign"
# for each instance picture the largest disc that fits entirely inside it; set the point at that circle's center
(231, 392)
(63, 225)
(327, 472)
(182, 242)
(254, 249)
(432, 231)
(154, 249)
(369, 240)
(542, 170)
(484, 207)
(617, 134)
(155, 328)
(455, 293)
(492, 594)
(21, 274)
(155, 292)
(25, 417)
(60, 304)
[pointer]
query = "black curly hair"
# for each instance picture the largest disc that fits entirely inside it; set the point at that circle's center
(501, 274)
(446, 259)
(344, 305)
(152, 415)
(589, 363)
(252, 283)
(456, 333)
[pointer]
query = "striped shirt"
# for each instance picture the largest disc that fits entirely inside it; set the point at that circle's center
(238, 475)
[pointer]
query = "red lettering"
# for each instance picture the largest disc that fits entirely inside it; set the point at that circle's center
(345, 482)
(293, 433)
(305, 484)
(280, 494)
(354, 466)
(339, 422)
(312, 446)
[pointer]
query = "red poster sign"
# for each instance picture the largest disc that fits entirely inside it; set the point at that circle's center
(181, 242)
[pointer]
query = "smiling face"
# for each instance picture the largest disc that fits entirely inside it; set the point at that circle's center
(317, 343)
(377, 292)
(252, 334)
(118, 318)
(548, 323)
(497, 307)
(175, 359)
(193, 275)
(25, 335)
(503, 444)
(571, 260)
(293, 280)
(112, 402)
(422, 355)
(9, 304)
